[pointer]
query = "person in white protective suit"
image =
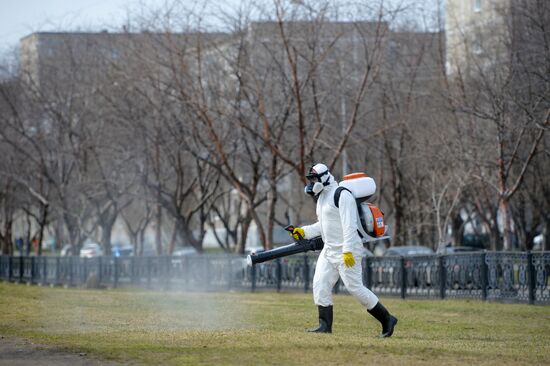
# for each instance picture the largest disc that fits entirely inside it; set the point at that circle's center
(342, 252)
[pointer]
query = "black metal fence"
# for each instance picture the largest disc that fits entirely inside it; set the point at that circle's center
(504, 276)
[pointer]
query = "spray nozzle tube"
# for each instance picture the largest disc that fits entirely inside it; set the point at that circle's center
(301, 246)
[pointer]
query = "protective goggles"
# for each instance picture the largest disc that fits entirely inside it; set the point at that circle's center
(313, 177)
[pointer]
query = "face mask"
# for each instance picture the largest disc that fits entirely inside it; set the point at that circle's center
(314, 188)
(316, 185)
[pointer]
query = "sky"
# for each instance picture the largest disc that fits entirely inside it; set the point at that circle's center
(19, 18)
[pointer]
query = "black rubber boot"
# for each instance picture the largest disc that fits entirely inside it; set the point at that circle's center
(387, 320)
(325, 320)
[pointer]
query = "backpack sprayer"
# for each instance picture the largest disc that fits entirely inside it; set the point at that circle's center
(370, 221)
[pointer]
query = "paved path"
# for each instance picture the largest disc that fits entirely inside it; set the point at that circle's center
(20, 352)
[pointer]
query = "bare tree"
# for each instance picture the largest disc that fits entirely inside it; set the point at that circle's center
(507, 103)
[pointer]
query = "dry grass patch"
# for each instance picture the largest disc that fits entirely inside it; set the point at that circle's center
(146, 327)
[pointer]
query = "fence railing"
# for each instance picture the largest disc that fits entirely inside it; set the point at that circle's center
(504, 276)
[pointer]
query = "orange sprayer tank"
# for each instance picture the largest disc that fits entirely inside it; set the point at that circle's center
(371, 218)
(379, 227)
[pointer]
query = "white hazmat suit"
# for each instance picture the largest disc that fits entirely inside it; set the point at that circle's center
(338, 229)
(342, 251)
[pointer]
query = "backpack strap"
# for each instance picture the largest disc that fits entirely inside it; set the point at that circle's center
(336, 203)
(337, 195)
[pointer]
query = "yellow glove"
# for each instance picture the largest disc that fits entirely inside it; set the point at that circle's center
(298, 233)
(349, 261)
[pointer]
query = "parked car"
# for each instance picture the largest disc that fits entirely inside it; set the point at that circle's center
(66, 251)
(475, 240)
(122, 250)
(184, 251)
(538, 242)
(459, 249)
(91, 250)
(408, 250)
(177, 261)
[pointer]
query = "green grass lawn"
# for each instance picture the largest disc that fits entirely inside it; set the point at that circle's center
(157, 327)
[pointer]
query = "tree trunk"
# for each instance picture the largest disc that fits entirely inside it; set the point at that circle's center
(4, 245)
(260, 227)
(74, 233)
(158, 233)
(244, 233)
(8, 243)
(504, 210)
(270, 226)
(173, 238)
(42, 223)
(272, 197)
(187, 234)
(398, 232)
(59, 235)
(141, 240)
(495, 237)
(106, 231)
(546, 234)
(27, 244)
(271, 204)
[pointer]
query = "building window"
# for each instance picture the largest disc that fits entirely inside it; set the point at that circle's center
(477, 5)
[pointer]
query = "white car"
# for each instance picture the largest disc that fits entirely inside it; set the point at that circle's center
(538, 242)
(91, 250)
(177, 254)
(184, 251)
(66, 251)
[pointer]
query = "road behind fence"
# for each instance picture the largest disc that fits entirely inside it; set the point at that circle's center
(503, 276)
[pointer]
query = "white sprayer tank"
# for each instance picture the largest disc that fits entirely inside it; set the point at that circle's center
(360, 185)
